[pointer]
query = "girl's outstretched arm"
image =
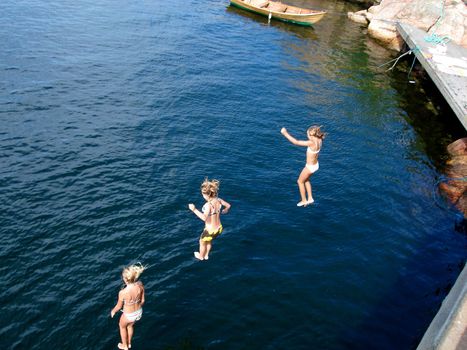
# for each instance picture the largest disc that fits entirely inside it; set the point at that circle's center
(293, 139)
(197, 212)
(119, 304)
(226, 206)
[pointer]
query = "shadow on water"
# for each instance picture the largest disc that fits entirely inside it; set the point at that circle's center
(396, 323)
(372, 333)
(432, 119)
(434, 123)
(434, 126)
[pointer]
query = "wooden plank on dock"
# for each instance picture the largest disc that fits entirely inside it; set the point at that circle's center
(446, 65)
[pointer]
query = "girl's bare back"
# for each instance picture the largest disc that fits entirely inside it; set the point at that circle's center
(213, 211)
(132, 297)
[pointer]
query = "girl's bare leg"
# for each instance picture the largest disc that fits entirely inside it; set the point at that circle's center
(308, 191)
(130, 330)
(208, 249)
(123, 333)
(202, 249)
(304, 176)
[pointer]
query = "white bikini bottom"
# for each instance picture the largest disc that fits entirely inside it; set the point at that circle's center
(312, 167)
(134, 316)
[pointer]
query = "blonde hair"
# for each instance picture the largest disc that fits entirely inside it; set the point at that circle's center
(210, 188)
(130, 274)
(315, 130)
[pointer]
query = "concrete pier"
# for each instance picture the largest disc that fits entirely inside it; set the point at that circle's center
(448, 330)
(446, 65)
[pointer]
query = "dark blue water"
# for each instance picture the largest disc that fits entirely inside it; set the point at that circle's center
(113, 112)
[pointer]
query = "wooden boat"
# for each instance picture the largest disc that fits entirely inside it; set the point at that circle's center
(280, 11)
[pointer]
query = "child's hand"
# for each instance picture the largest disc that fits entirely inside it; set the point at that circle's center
(283, 131)
(191, 206)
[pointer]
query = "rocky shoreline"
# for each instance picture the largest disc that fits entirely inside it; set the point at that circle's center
(444, 18)
(455, 185)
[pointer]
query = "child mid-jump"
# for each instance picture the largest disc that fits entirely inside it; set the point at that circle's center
(210, 215)
(131, 298)
(313, 144)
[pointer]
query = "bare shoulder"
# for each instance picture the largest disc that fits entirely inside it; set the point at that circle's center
(206, 208)
(122, 293)
(317, 143)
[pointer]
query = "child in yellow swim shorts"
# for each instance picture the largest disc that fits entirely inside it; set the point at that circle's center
(210, 214)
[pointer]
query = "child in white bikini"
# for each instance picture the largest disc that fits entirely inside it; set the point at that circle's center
(131, 298)
(313, 144)
(210, 215)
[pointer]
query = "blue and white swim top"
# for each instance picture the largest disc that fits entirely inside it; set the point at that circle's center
(213, 211)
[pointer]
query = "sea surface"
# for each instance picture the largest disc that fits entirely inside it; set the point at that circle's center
(113, 112)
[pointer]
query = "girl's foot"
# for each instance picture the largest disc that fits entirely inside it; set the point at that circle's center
(206, 257)
(129, 346)
(310, 201)
(120, 346)
(302, 204)
(198, 255)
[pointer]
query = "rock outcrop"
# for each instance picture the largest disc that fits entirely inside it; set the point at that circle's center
(454, 188)
(443, 18)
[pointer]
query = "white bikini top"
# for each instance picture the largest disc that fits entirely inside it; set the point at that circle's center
(311, 151)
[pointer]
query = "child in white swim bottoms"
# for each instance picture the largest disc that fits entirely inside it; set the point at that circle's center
(134, 316)
(131, 300)
(313, 144)
(312, 167)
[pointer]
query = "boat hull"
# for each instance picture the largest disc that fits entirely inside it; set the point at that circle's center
(300, 19)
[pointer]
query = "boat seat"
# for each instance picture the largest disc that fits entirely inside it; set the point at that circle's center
(277, 7)
(259, 3)
(298, 10)
(294, 10)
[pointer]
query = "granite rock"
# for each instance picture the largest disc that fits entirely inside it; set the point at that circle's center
(444, 19)
(454, 188)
